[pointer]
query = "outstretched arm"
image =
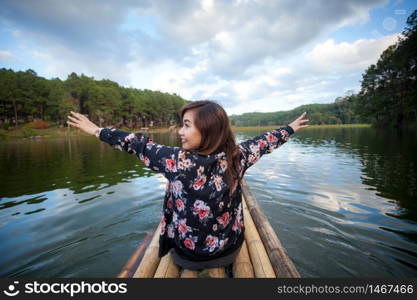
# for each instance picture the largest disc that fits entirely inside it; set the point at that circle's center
(156, 157)
(253, 149)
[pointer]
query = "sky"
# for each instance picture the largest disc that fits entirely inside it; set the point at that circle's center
(248, 55)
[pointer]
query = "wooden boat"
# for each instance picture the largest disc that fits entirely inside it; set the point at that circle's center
(262, 254)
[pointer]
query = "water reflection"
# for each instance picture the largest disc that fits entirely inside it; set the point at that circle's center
(341, 200)
(338, 182)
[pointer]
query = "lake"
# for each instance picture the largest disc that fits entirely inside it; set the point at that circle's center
(343, 202)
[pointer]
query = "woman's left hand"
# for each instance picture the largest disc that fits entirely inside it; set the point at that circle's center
(296, 124)
(82, 122)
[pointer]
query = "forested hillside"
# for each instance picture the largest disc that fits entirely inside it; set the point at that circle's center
(388, 97)
(340, 112)
(25, 97)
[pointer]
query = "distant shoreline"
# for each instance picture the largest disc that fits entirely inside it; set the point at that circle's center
(55, 132)
(310, 126)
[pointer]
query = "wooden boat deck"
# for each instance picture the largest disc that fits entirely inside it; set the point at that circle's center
(262, 254)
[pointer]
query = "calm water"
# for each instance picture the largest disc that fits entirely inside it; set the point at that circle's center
(342, 201)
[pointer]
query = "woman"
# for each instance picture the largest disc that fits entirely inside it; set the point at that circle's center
(202, 224)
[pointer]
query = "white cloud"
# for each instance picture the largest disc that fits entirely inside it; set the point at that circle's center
(247, 55)
(6, 56)
(40, 55)
(316, 76)
(349, 56)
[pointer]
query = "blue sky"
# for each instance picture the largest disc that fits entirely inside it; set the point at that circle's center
(249, 55)
(375, 27)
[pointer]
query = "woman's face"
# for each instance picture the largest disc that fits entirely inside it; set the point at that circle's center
(190, 136)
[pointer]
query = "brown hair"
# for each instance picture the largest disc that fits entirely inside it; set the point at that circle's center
(213, 124)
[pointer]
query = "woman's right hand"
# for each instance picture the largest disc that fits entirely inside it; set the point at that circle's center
(82, 122)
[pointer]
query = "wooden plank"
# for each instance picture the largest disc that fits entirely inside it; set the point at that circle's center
(242, 266)
(281, 262)
(258, 256)
(167, 268)
(189, 273)
(150, 259)
(216, 272)
(132, 264)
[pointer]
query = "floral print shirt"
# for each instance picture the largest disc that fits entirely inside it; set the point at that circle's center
(200, 221)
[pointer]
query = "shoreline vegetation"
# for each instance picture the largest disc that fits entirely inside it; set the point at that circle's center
(38, 107)
(55, 132)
